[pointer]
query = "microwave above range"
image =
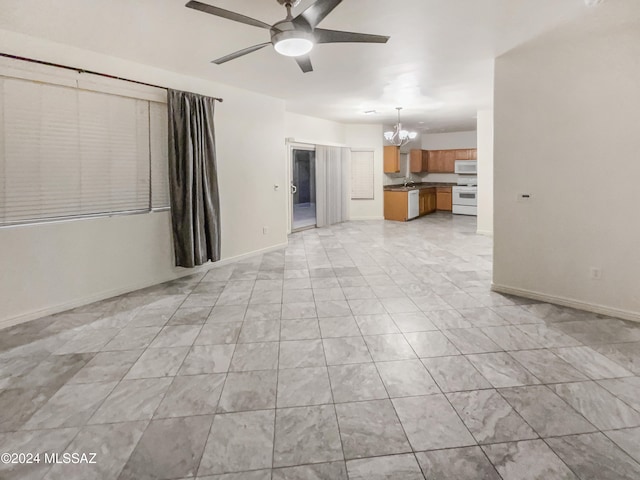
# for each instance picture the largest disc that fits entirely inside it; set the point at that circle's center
(466, 167)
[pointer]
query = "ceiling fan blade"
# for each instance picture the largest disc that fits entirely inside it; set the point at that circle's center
(305, 63)
(240, 53)
(219, 12)
(318, 11)
(335, 36)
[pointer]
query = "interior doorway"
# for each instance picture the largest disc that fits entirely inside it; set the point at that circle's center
(303, 188)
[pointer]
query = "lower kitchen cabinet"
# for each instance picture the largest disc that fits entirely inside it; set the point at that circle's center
(396, 206)
(427, 201)
(444, 199)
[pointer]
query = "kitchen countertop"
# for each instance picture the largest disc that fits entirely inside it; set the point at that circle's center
(417, 186)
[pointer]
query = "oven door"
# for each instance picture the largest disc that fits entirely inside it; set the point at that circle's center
(465, 196)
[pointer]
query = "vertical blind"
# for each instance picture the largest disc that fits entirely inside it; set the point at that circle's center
(67, 152)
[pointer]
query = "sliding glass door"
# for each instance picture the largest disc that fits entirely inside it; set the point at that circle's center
(303, 188)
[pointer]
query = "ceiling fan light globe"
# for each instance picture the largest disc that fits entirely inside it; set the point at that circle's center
(292, 43)
(413, 135)
(388, 136)
(294, 47)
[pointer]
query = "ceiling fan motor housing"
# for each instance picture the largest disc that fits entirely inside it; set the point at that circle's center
(293, 3)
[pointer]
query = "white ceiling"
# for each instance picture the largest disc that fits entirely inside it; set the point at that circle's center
(438, 64)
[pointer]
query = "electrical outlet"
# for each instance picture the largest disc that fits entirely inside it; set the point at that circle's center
(595, 273)
(265, 230)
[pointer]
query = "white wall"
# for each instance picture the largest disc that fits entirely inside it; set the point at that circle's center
(449, 141)
(567, 131)
(485, 172)
(312, 130)
(50, 267)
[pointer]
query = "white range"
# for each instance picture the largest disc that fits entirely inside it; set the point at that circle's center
(465, 195)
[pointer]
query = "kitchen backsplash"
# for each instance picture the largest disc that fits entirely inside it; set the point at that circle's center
(422, 177)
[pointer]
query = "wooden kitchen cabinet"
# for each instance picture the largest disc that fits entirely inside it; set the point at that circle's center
(444, 199)
(423, 202)
(433, 161)
(467, 154)
(391, 159)
(463, 154)
(396, 206)
(431, 201)
(444, 161)
(449, 161)
(418, 161)
(415, 161)
(427, 201)
(441, 161)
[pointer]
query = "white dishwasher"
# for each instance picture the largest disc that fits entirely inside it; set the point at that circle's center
(414, 204)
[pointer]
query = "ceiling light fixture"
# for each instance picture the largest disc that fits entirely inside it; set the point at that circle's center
(287, 39)
(399, 137)
(294, 43)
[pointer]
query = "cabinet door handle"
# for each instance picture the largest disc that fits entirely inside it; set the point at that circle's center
(294, 189)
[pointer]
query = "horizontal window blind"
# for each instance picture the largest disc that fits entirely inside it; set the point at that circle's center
(67, 152)
(158, 119)
(362, 171)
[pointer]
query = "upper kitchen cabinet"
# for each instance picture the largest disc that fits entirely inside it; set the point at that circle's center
(463, 155)
(391, 159)
(444, 161)
(419, 160)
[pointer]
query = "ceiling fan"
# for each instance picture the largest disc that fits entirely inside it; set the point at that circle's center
(293, 36)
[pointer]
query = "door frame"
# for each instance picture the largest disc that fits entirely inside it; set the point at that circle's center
(291, 146)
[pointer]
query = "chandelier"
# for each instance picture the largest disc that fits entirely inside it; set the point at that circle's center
(399, 137)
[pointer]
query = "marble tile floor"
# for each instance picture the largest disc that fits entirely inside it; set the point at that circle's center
(368, 350)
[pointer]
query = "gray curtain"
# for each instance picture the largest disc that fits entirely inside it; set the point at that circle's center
(333, 174)
(193, 179)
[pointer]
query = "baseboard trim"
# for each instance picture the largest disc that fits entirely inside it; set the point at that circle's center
(568, 302)
(358, 219)
(62, 307)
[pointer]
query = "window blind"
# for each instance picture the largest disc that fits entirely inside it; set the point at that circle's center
(159, 155)
(67, 152)
(362, 171)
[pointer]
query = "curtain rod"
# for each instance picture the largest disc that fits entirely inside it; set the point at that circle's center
(82, 70)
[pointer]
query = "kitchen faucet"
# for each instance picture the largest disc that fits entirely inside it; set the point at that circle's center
(408, 181)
